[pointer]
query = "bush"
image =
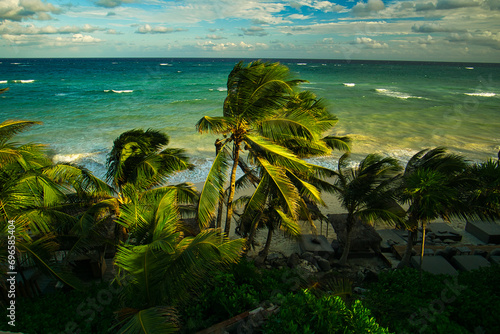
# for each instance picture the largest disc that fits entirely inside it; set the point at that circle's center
(441, 304)
(90, 310)
(233, 292)
(305, 313)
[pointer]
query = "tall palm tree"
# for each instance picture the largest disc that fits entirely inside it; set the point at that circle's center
(430, 186)
(159, 266)
(366, 192)
(265, 117)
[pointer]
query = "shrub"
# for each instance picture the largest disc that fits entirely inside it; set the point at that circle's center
(90, 310)
(303, 312)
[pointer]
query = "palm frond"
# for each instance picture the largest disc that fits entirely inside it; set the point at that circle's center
(220, 125)
(213, 187)
(149, 321)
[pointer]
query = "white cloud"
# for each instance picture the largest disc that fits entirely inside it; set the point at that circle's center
(324, 6)
(483, 38)
(254, 31)
(367, 8)
(15, 28)
(112, 3)
(147, 29)
(370, 43)
(298, 17)
(230, 46)
(433, 27)
(17, 10)
(79, 38)
(453, 4)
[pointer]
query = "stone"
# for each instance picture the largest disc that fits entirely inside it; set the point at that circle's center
(448, 241)
(306, 267)
(469, 262)
(293, 260)
(323, 264)
(487, 232)
(363, 236)
(443, 231)
(480, 252)
(434, 265)
(317, 244)
(273, 256)
(464, 250)
(495, 252)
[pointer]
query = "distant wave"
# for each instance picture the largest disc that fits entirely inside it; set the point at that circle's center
(3, 81)
(165, 64)
(349, 84)
(15, 63)
(118, 91)
(302, 64)
(23, 81)
(396, 94)
(481, 94)
(469, 68)
(93, 161)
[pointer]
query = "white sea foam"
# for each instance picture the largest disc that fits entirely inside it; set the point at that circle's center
(118, 91)
(469, 68)
(3, 81)
(349, 84)
(396, 94)
(222, 89)
(15, 63)
(302, 64)
(481, 94)
(23, 81)
(165, 64)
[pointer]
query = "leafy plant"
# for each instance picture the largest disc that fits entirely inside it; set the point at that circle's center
(305, 313)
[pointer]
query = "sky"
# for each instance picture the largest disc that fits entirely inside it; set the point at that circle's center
(434, 30)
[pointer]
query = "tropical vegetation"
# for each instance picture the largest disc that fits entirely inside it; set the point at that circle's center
(176, 267)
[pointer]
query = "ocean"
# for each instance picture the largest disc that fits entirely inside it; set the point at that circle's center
(391, 108)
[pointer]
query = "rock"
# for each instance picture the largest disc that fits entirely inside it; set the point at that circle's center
(306, 267)
(323, 264)
(293, 260)
(273, 256)
(495, 252)
(449, 241)
(480, 252)
(362, 236)
(306, 255)
(464, 250)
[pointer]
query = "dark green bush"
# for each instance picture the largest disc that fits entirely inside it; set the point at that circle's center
(230, 293)
(441, 304)
(90, 311)
(303, 313)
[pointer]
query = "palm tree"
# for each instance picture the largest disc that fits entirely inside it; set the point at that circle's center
(265, 117)
(483, 197)
(366, 192)
(159, 266)
(430, 186)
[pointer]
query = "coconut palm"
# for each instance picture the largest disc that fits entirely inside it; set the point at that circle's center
(430, 186)
(366, 192)
(34, 199)
(159, 266)
(483, 200)
(265, 117)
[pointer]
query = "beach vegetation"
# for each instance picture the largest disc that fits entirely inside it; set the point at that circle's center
(274, 126)
(366, 192)
(432, 185)
(304, 312)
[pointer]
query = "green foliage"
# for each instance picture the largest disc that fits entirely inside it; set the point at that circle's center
(440, 304)
(305, 313)
(232, 292)
(91, 311)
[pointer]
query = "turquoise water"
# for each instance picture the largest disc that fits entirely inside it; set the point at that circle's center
(390, 108)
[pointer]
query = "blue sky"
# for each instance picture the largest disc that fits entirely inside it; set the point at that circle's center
(435, 30)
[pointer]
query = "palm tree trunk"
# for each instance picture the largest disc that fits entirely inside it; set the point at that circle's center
(422, 250)
(218, 144)
(405, 261)
(253, 230)
(232, 186)
(347, 246)
(265, 251)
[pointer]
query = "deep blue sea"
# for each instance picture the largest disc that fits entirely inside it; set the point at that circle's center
(392, 108)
